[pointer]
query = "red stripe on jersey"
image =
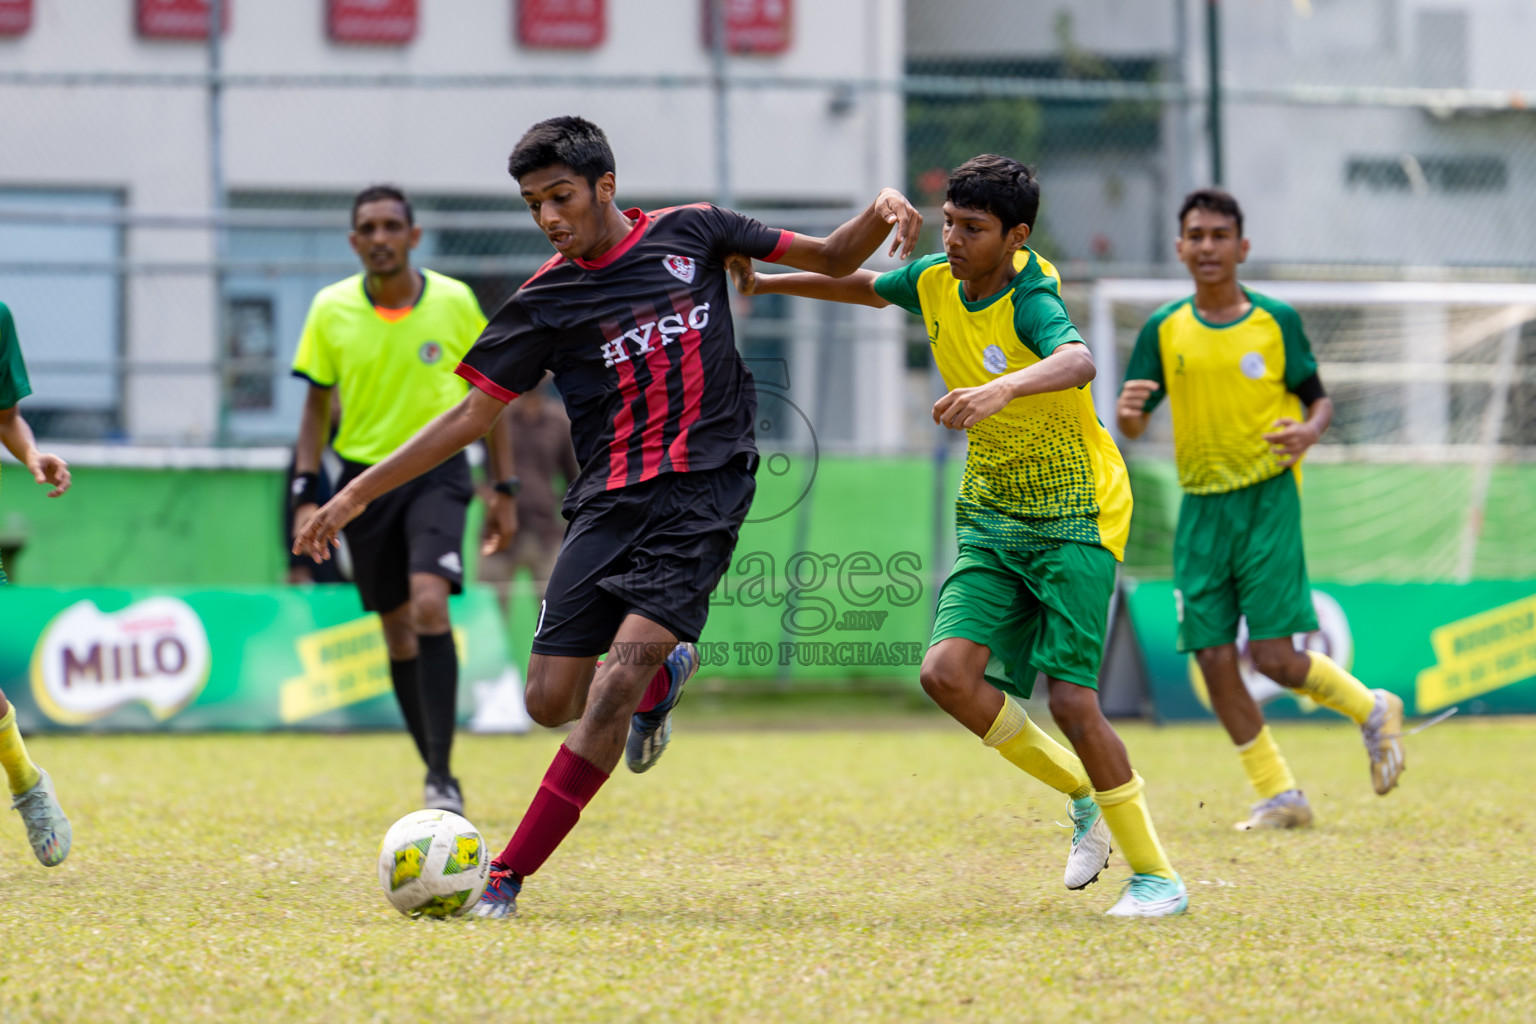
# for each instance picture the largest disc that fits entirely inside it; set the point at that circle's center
(624, 419)
(484, 383)
(693, 382)
(786, 239)
(549, 264)
(642, 222)
(685, 206)
(657, 404)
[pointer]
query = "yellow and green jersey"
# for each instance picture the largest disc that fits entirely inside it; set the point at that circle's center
(14, 384)
(1228, 383)
(1042, 470)
(394, 375)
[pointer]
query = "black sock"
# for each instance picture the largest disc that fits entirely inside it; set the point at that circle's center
(439, 697)
(406, 675)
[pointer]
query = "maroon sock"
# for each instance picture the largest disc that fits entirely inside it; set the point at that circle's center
(657, 690)
(567, 787)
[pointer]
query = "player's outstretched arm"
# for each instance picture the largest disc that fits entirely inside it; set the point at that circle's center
(857, 288)
(1068, 366)
(449, 433)
(17, 437)
(846, 248)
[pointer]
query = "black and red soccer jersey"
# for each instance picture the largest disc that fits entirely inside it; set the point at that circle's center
(641, 344)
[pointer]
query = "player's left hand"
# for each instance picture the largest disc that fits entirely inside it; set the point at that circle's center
(500, 524)
(50, 469)
(742, 274)
(896, 209)
(963, 408)
(317, 536)
(1290, 439)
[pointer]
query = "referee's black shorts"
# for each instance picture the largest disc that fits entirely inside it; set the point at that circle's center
(655, 549)
(417, 527)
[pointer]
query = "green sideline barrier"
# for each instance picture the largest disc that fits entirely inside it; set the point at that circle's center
(835, 575)
(1471, 646)
(123, 527)
(180, 659)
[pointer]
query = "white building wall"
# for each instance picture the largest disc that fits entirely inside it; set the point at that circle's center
(786, 146)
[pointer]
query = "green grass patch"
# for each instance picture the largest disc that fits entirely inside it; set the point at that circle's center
(892, 874)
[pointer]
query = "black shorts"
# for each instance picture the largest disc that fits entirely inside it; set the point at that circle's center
(654, 549)
(417, 527)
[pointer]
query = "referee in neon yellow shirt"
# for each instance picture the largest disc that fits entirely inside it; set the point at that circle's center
(388, 340)
(1247, 403)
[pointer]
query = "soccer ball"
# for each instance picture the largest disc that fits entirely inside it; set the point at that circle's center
(432, 864)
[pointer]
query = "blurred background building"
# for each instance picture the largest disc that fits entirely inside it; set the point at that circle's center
(171, 198)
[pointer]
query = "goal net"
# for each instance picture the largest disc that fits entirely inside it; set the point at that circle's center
(1428, 472)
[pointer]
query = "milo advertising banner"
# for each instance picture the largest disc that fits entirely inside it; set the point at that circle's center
(1472, 646)
(261, 658)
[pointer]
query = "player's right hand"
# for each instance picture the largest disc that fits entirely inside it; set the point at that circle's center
(898, 210)
(315, 534)
(50, 469)
(1133, 398)
(742, 274)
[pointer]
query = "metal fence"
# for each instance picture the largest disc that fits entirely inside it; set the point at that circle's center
(166, 310)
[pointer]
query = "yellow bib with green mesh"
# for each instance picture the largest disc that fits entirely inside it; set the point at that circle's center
(1228, 384)
(1043, 469)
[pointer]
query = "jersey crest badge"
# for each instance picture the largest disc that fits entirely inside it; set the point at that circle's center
(680, 267)
(993, 359)
(1252, 366)
(430, 352)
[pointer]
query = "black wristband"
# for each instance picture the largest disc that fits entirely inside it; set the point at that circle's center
(306, 489)
(510, 486)
(1310, 390)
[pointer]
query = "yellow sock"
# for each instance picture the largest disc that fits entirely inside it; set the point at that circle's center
(1332, 687)
(19, 769)
(1129, 821)
(1024, 744)
(1266, 766)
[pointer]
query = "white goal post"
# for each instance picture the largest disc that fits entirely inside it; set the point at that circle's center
(1404, 343)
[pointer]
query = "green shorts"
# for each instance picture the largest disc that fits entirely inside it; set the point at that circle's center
(1036, 611)
(1239, 554)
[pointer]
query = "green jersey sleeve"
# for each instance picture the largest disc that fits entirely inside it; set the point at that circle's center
(313, 361)
(1299, 361)
(899, 286)
(1147, 359)
(1040, 320)
(14, 385)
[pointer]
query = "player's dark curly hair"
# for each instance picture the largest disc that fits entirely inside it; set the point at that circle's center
(572, 142)
(374, 193)
(1216, 200)
(1004, 188)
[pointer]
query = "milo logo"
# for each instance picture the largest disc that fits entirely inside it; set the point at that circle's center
(88, 663)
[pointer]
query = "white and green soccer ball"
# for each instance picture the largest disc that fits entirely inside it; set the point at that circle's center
(432, 864)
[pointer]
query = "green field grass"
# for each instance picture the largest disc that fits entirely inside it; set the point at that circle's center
(891, 874)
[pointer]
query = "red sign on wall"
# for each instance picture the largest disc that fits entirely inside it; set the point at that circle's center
(371, 21)
(179, 19)
(565, 24)
(752, 26)
(15, 17)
